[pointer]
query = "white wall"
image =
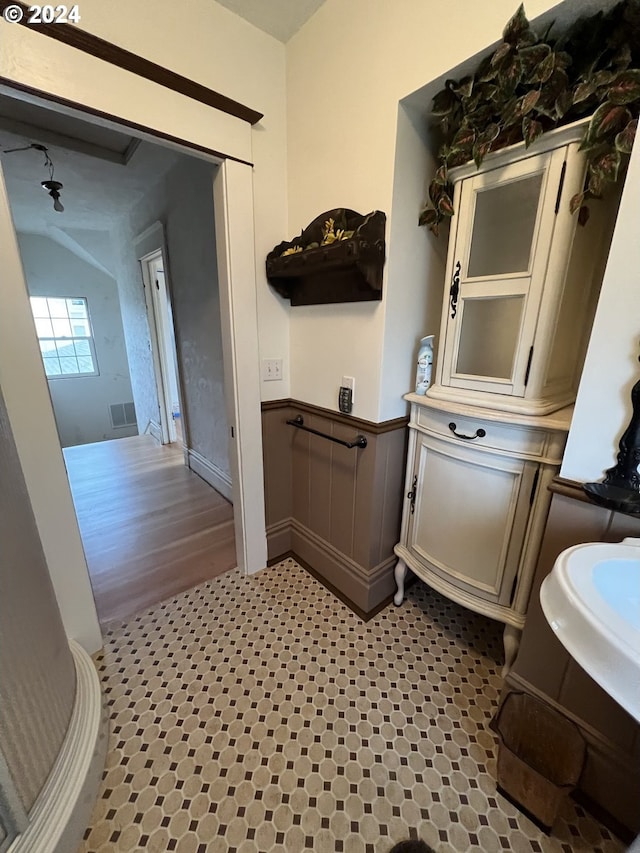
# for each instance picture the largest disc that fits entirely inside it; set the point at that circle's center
(603, 406)
(347, 70)
(81, 403)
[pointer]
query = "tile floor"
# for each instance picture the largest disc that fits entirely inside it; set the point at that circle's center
(260, 714)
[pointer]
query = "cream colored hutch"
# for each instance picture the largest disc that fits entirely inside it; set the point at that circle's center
(488, 437)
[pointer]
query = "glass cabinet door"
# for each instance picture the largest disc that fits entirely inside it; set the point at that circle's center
(497, 272)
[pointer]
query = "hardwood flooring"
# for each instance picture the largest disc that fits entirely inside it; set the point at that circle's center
(151, 528)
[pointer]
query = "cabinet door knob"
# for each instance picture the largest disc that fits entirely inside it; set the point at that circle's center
(480, 433)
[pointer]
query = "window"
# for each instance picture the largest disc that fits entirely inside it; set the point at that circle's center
(64, 334)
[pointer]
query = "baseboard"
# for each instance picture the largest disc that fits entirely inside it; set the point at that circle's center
(62, 811)
(210, 473)
(153, 429)
(365, 589)
(278, 540)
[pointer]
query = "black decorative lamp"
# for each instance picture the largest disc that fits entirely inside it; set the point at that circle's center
(620, 489)
(51, 186)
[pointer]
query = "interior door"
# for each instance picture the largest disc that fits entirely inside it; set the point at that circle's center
(497, 272)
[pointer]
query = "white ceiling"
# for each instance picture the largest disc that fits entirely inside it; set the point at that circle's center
(98, 186)
(280, 18)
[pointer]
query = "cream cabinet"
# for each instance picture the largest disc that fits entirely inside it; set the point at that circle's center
(522, 278)
(522, 282)
(476, 505)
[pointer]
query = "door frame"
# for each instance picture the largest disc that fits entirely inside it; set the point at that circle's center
(161, 329)
(234, 210)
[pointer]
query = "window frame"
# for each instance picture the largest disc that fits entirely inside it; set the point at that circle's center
(68, 339)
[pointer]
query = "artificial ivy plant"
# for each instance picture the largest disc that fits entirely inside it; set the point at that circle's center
(532, 84)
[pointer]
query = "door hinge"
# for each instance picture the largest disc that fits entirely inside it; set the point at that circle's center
(233, 435)
(560, 186)
(528, 370)
(534, 486)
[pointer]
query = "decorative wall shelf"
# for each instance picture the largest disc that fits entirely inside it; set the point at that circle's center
(345, 270)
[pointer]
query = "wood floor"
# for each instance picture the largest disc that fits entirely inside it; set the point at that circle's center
(151, 528)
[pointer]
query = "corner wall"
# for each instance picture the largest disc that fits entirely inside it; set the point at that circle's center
(347, 70)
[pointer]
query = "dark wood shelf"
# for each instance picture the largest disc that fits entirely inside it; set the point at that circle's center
(343, 271)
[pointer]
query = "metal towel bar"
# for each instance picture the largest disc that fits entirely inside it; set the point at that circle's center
(298, 422)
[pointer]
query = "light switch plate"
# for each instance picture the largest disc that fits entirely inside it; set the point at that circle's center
(271, 369)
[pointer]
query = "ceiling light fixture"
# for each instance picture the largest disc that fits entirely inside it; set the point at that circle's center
(51, 186)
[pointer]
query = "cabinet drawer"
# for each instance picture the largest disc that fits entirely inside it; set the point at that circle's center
(497, 436)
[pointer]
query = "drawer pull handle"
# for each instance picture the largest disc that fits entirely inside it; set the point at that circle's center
(480, 433)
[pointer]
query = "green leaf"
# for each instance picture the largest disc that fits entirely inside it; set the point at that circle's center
(435, 191)
(441, 176)
(563, 60)
(625, 88)
(511, 112)
(576, 202)
(607, 119)
(584, 90)
(501, 54)
(583, 215)
(445, 205)
(483, 143)
(464, 138)
(544, 69)
(464, 87)
(596, 184)
(443, 102)
(528, 101)
(527, 39)
(606, 165)
(516, 27)
(564, 102)
(510, 75)
(531, 130)
(428, 216)
(624, 139)
(531, 57)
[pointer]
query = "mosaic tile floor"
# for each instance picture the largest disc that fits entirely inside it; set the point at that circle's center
(260, 714)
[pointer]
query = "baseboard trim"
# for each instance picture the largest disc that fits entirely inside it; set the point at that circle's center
(210, 473)
(153, 429)
(278, 540)
(62, 811)
(364, 590)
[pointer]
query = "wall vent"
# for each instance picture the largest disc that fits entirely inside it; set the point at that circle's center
(122, 415)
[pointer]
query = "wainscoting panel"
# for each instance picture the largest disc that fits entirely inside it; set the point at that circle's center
(543, 668)
(337, 509)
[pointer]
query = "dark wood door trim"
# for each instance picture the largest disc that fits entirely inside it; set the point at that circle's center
(336, 417)
(124, 123)
(125, 59)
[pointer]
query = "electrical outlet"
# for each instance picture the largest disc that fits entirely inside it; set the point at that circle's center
(350, 382)
(271, 369)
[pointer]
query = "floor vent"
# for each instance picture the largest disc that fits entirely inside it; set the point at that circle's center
(122, 415)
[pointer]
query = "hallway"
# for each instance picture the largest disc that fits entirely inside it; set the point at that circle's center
(150, 527)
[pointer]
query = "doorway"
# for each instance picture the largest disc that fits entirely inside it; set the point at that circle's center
(24, 385)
